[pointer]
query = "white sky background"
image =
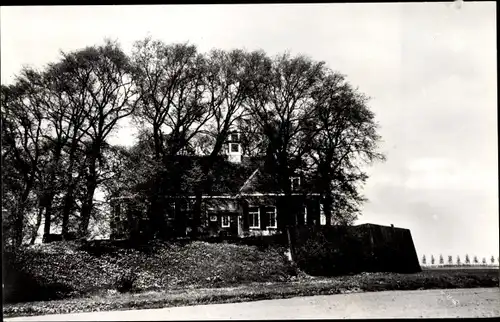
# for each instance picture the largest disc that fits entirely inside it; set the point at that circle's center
(430, 69)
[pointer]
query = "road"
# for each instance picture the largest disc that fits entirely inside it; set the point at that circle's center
(479, 302)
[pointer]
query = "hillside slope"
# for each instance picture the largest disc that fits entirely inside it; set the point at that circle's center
(67, 269)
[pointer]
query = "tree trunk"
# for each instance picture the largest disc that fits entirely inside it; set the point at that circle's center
(49, 197)
(69, 198)
(68, 204)
(88, 204)
(327, 208)
(179, 224)
(155, 223)
(196, 222)
(34, 233)
(47, 219)
(18, 227)
(204, 187)
(19, 218)
(291, 246)
(88, 201)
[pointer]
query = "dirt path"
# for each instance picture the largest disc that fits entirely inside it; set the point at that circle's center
(478, 302)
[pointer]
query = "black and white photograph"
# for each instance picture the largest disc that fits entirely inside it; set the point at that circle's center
(249, 161)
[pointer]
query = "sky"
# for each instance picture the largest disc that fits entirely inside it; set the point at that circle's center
(429, 68)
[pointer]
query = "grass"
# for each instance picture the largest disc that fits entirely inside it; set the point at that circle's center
(428, 279)
(64, 270)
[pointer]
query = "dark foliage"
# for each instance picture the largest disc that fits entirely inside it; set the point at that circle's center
(125, 283)
(80, 268)
(21, 286)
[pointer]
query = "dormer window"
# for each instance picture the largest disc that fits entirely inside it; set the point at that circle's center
(295, 183)
(235, 147)
(235, 137)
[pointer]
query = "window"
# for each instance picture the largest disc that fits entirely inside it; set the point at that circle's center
(254, 214)
(305, 215)
(187, 209)
(235, 147)
(171, 210)
(234, 137)
(213, 217)
(295, 183)
(225, 221)
(271, 214)
(117, 209)
(322, 217)
(188, 206)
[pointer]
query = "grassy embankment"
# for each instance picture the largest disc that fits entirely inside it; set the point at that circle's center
(97, 279)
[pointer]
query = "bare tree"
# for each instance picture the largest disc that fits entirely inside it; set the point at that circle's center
(280, 101)
(104, 89)
(226, 82)
(170, 81)
(346, 139)
(68, 111)
(22, 136)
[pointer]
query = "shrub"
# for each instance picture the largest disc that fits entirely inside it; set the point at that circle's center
(441, 259)
(21, 284)
(125, 282)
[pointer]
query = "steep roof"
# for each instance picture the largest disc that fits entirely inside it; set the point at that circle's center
(227, 177)
(258, 181)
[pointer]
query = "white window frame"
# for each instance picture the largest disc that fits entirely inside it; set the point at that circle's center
(231, 147)
(231, 137)
(322, 216)
(251, 214)
(275, 217)
(188, 206)
(291, 183)
(228, 221)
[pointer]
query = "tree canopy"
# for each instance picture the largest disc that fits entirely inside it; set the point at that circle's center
(298, 114)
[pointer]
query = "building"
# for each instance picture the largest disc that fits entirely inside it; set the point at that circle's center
(243, 201)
